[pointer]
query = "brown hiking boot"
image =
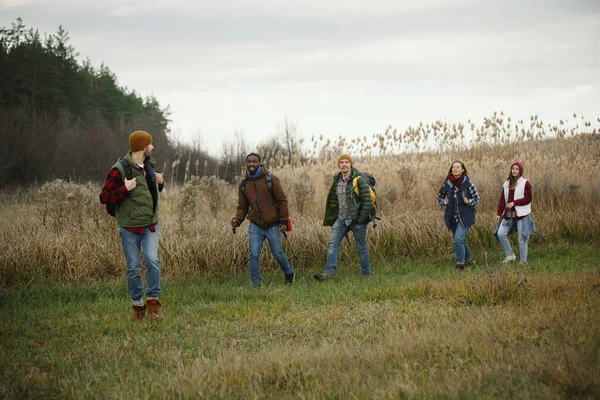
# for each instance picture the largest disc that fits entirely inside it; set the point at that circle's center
(140, 312)
(153, 306)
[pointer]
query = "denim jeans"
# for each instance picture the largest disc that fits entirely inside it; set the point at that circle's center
(131, 248)
(338, 231)
(503, 230)
(256, 238)
(461, 249)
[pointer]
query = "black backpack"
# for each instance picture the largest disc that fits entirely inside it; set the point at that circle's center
(268, 177)
(111, 209)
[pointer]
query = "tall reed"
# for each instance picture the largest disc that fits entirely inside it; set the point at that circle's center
(59, 231)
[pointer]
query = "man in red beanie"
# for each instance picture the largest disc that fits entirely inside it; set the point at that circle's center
(136, 199)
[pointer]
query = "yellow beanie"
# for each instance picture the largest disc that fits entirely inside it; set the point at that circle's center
(345, 157)
(139, 140)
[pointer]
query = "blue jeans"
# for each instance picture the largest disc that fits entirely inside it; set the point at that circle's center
(256, 238)
(338, 231)
(503, 231)
(131, 248)
(461, 249)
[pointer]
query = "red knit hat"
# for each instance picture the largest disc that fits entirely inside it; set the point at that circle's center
(518, 164)
(139, 140)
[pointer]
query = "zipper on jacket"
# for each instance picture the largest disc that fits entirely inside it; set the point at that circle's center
(456, 206)
(257, 204)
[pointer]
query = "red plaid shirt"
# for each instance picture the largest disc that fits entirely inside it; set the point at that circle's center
(503, 212)
(114, 191)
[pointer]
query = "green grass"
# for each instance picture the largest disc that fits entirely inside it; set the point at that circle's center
(418, 328)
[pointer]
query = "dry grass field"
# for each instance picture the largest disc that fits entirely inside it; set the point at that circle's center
(60, 233)
(417, 329)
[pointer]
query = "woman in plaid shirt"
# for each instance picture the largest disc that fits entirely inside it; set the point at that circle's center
(460, 197)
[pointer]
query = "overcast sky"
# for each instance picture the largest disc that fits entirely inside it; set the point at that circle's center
(337, 67)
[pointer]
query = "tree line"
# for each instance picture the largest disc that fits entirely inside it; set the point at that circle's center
(61, 118)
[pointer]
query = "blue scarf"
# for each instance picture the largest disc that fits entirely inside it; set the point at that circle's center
(256, 173)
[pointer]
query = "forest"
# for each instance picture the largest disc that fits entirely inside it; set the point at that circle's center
(61, 118)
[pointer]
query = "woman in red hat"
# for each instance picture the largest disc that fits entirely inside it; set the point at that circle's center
(514, 213)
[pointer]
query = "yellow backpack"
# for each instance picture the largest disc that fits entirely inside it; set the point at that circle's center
(370, 179)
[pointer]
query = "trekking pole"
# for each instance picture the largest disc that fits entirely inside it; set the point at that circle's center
(234, 256)
(289, 244)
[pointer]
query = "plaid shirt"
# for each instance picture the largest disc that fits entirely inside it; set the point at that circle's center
(344, 211)
(442, 199)
(503, 212)
(114, 191)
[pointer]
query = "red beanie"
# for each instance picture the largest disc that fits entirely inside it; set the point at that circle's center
(518, 164)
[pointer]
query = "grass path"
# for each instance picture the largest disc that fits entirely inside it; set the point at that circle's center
(416, 329)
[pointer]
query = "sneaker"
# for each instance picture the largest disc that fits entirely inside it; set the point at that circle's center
(509, 258)
(257, 286)
(460, 266)
(323, 276)
(289, 279)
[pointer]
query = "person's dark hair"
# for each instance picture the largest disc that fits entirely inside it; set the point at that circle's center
(462, 164)
(512, 180)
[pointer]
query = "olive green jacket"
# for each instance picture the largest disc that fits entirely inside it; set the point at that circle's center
(360, 206)
(140, 207)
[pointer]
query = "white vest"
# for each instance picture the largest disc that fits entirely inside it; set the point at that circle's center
(519, 194)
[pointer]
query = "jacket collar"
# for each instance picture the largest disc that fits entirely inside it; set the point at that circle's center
(150, 160)
(465, 183)
(263, 171)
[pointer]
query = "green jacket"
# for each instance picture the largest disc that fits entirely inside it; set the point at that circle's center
(140, 207)
(360, 206)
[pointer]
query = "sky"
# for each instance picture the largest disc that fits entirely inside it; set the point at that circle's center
(336, 67)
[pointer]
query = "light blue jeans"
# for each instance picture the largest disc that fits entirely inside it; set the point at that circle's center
(131, 248)
(503, 231)
(256, 238)
(338, 231)
(461, 249)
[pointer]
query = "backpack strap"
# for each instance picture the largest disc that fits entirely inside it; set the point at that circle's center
(355, 185)
(126, 168)
(269, 179)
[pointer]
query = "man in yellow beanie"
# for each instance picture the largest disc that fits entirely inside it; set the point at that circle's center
(132, 186)
(346, 211)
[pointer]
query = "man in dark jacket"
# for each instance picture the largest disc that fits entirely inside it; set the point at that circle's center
(137, 217)
(262, 199)
(347, 211)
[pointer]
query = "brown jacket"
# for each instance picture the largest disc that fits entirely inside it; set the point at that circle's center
(264, 208)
